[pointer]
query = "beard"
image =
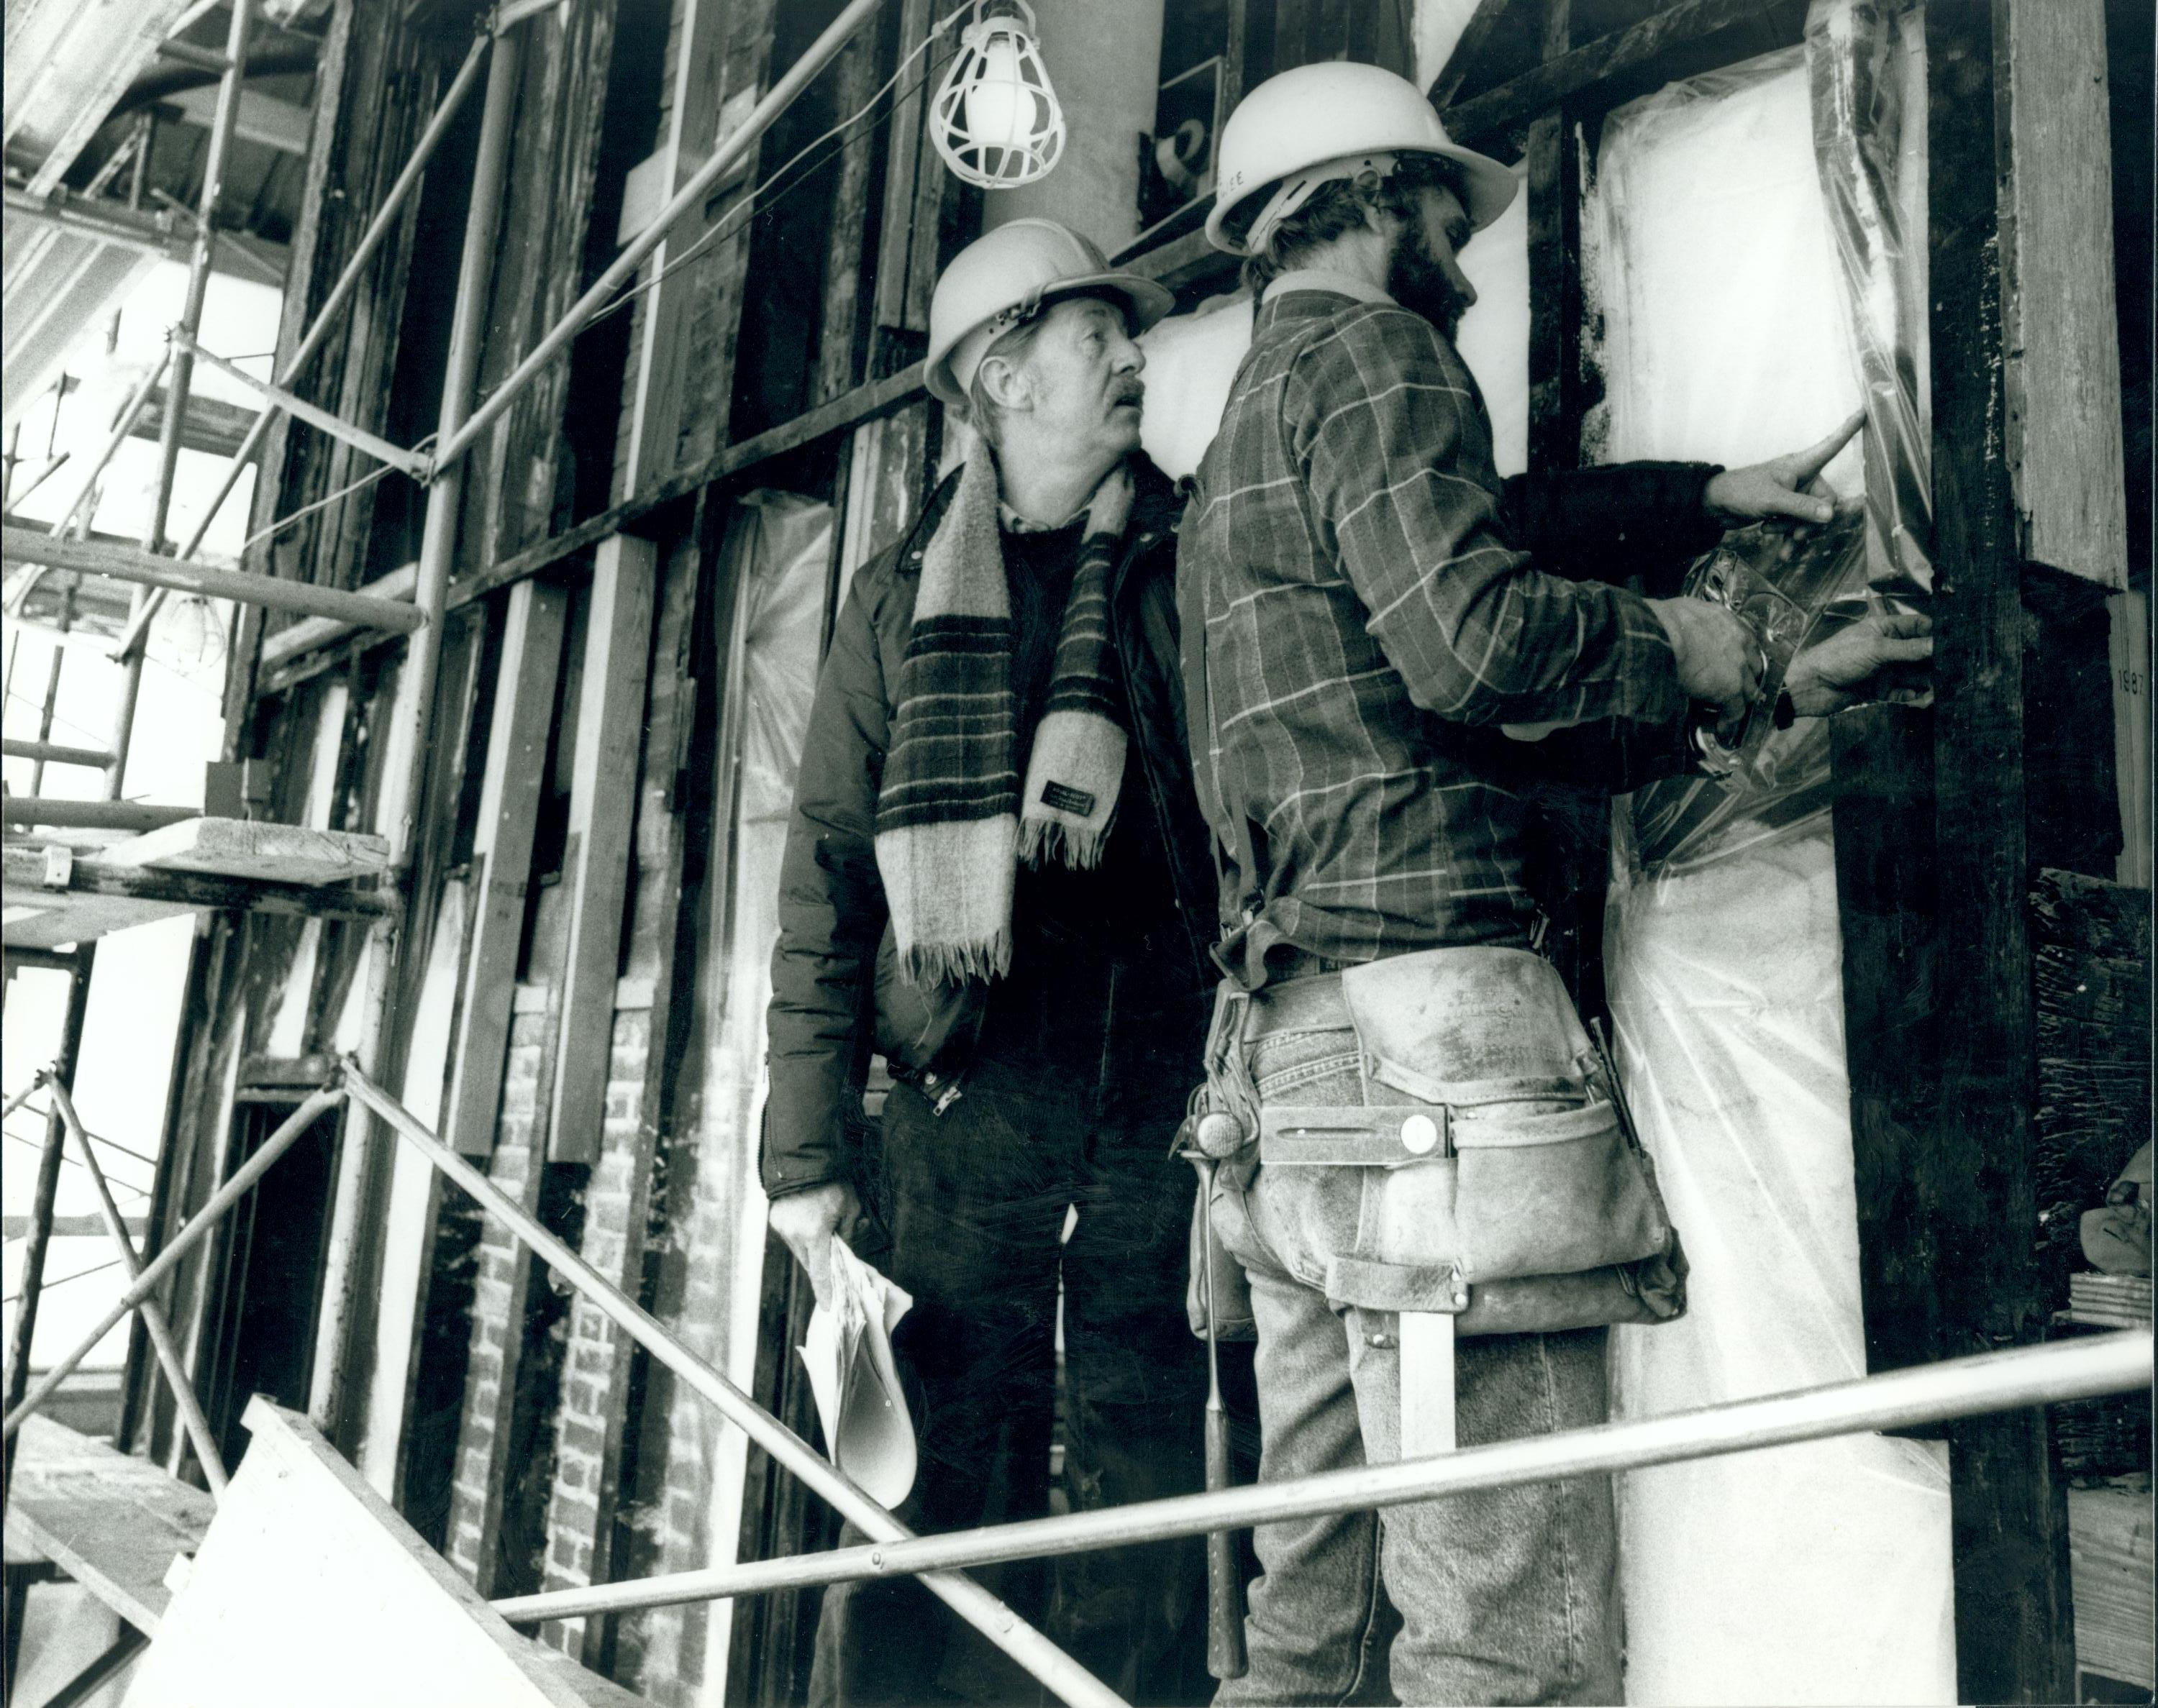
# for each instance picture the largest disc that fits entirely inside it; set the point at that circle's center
(1416, 280)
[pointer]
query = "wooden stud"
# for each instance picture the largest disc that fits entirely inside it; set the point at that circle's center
(660, 345)
(602, 794)
(661, 845)
(1535, 92)
(2060, 335)
(502, 857)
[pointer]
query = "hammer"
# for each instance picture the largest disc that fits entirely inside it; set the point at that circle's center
(1225, 1583)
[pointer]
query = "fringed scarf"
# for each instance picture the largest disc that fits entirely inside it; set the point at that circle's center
(953, 820)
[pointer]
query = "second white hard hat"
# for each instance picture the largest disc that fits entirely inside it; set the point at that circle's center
(1006, 277)
(1299, 130)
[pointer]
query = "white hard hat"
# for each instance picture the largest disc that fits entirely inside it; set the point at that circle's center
(1004, 278)
(1331, 120)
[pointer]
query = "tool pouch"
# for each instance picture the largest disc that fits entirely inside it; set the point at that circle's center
(1487, 1145)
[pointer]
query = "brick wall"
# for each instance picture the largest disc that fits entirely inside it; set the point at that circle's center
(498, 1298)
(581, 1506)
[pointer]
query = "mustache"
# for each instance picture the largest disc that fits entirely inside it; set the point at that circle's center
(1132, 391)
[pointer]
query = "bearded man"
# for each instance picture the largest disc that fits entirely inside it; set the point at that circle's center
(1418, 1141)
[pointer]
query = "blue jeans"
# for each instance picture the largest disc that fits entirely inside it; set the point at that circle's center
(1506, 1595)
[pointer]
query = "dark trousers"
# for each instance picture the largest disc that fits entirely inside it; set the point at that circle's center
(975, 1201)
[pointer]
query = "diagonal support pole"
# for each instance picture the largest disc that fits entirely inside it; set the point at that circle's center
(154, 1319)
(314, 414)
(995, 1621)
(167, 1260)
(379, 228)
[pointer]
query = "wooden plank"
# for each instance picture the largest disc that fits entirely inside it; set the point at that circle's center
(840, 341)
(308, 1585)
(24, 867)
(880, 397)
(1535, 92)
(248, 848)
(616, 1248)
(530, 665)
(2061, 337)
(2013, 1639)
(913, 196)
(310, 632)
(112, 1522)
(1468, 48)
(22, 545)
(602, 795)
(1882, 758)
(696, 121)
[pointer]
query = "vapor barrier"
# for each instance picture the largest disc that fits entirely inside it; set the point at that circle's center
(1748, 259)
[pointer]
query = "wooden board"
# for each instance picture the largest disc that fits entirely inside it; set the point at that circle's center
(2061, 337)
(247, 847)
(602, 810)
(112, 1523)
(502, 857)
(309, 1588)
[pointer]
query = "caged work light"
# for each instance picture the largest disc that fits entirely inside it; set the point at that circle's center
(997, 122)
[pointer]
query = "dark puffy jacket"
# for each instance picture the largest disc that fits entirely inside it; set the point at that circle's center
(835, 968)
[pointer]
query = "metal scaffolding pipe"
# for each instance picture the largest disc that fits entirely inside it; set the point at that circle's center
(55, 753)
(63, 814)
(374, 444)
(44, 1191)
(1962, 1387)
(159, 1266)
(452, 447)
(183, 366)
(995, 1621)
(378, 229)
(150, 569)
(353, 1244)
(154, 1320)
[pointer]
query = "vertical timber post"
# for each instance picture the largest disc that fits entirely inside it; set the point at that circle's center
(362, 1183)
(2014, 1637)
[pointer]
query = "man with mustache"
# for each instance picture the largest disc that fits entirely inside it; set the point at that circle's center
(997, 876)
(1400, 1089)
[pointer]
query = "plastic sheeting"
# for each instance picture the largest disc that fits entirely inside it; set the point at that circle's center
(1819, 1573)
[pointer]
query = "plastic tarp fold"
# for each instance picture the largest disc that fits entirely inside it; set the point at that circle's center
(1748, 259)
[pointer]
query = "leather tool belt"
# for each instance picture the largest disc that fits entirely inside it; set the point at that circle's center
(1488, 1171)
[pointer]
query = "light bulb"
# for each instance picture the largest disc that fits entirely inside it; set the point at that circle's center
(996, 119)
(1000, 112)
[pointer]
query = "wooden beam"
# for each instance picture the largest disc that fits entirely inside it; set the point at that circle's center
(209, 425)
(1475, 36)
(596, 869)
(311, 632)
(2061, 334)
(147, 570)
(696, 118)
(2014, 1626)
(1535, 92)
(525, 676)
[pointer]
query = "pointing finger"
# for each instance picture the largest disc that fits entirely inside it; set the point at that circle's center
(1806, 464)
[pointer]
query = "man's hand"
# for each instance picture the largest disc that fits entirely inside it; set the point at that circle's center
(1844, 669)
(1718, 658)
(1778, 487)
(810, 1221)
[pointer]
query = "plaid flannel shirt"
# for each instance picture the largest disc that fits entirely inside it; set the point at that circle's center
(1368, 627)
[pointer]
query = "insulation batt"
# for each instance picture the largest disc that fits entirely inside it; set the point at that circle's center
(1819, 1573)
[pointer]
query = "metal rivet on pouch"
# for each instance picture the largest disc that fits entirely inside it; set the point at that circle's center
(1420, 1135)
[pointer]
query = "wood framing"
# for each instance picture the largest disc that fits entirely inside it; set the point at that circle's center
(602, 795)
(2062, 356)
